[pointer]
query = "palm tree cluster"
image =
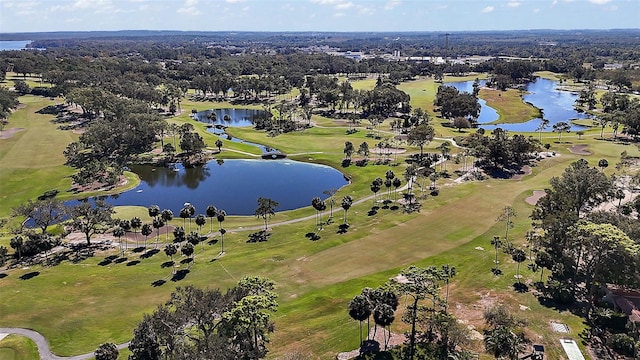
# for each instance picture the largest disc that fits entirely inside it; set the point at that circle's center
(381, 303)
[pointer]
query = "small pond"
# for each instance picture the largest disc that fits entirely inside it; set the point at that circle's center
(229, 116)
(233, 185)
(557, 106)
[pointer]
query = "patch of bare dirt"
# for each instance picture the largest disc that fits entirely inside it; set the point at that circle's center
(537, 195)
(580, 149)
(8, 134)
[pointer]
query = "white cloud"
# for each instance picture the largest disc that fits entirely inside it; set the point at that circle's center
(339, 14)
(535, 11)
(513, 4)
(326, 2)
(599, 2)
(344, 6)
(488, 9)
(189, 8)
(391, 4)
(234, 1)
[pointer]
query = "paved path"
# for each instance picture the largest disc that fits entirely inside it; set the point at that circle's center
(43, 345)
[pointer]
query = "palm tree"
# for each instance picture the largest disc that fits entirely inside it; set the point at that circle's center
(136, 223)
(502, 343)
(154, 211)
(166, 215)
(360, 310)
(331, 192)
(544, 123)
(179, 234)
(200, 221)
(184, 214)
(118, 232)
(126, 226)
(347, 201)
(191, 211)
(171, 250)
(211, 212)
(266, 209)
(193, 238)
(157, 224)
(448, 272)
(396, 184)
(220, 215)
(187, 250)
(496, 242)
(561, 127)
(319, 205)
(146, 231)
(445, 149)
(383, 315)
(518, 256)
(219, 145)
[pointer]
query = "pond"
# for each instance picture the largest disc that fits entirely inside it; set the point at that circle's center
(14, 44)
(233, 185)
(557, 105)
(229, 116)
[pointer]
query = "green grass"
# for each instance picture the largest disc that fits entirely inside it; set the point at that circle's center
(15, 347)
(509, 105)
(315, 279)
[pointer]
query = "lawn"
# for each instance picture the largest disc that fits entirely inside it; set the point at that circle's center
(15, 347)
(316, 279)
(509, 105)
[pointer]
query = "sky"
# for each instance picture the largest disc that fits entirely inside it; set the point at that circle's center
(316, 15)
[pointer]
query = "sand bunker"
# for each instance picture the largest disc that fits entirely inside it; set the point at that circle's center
(537, 195)
(580, 149)
(7, 134)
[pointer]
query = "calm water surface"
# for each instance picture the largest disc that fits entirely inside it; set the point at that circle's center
(13, 45)
(233, 186)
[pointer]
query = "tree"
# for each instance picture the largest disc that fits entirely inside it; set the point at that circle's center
(171, 250)
(136, 223)
(396, 184)
(418, 283)
(266, 209)
(91, 219)
(187, 250)
(448, 272)
(153, 211)
(201, 220)
(331, 193)
(211, 212)
(43, 212)
(158, 223)
(420, 136)
(544, 123)
(179, 234)
(118, 232)
(375, 187)
(346, 203)
(461, 123)
(518, 255)
(383, 315)
(503, 343)
(319, 206)
(220, 216)
(507, 215)
(360, 310)
(219, 145)
(17, 243)
(363, 150)
(348, 149)
(561, 127)
(106, 351)
(166, 215)
(603, 164)
(146, 231)
(497, 243)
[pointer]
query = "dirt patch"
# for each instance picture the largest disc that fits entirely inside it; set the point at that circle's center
(537, 195)
(580, 149)
(7, 134)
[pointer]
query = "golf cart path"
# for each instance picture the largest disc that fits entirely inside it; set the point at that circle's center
(43, 344)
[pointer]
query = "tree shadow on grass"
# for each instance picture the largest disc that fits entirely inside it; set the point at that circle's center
(373, 211)
(108, 260)
(120, 260)
(138, 249)
(186, 261)
(158, 283)
(394, 207)
(212, 241)
(3, 275)
(180, 275)
(312, 236)
(342, 228)
(149, 254)
(520, 287)
(133, 263)
(29, 275)
(166, 264)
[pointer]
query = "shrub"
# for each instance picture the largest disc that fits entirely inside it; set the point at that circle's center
(622, 344)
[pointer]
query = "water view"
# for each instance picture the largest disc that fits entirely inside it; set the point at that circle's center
(557, 105)
(233, 185)
(229, 117)
(13, 44)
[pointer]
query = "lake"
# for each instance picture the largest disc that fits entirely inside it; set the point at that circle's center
(557, 105)
(229, 116)
(234, 186)
(14, 44)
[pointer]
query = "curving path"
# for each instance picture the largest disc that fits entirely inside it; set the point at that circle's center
(43, 344)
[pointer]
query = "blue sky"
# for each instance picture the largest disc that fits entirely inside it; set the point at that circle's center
(316, 15)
